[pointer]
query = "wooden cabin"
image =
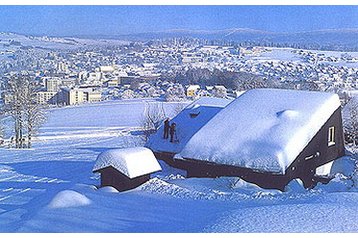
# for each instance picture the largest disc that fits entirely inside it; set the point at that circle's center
(267, 137)
(127, 168)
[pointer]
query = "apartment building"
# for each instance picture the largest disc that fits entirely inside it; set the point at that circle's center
(73, 96)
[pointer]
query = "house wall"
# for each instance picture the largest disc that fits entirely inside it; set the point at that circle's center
(318, 152)
(300, 168)
(112, 177)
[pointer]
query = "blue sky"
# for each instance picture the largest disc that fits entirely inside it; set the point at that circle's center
(114, 20)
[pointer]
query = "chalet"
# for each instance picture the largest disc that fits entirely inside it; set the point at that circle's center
(127, 168)
(191, 90)
(219, 88)
(267, 137)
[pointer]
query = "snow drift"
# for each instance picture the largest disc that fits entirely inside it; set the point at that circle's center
(69, 198)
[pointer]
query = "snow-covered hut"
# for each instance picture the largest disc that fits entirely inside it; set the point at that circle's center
(269, 137)
(188, 122)
(126, 168)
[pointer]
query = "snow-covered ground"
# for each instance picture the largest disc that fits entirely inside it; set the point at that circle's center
(51, 188)
(288, 55)
(49, 42)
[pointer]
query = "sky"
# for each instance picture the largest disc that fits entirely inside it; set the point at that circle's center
(117, 20)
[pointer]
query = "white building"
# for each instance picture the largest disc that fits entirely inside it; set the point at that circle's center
(73, 96)
(191, 90)
(45, 97)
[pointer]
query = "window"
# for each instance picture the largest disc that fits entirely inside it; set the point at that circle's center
(331, 136)
(194, 114)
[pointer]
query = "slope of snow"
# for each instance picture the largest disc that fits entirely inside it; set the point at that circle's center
(133, 162)
(276, 54)
(60, 168)
(188, 122)
(263, 129)
(313, 218)
(51, 42)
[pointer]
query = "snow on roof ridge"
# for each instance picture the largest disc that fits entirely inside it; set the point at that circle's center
(209, 101)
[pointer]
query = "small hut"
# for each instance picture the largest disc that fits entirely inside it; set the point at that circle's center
(127, 168)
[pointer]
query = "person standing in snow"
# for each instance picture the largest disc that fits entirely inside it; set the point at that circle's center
(172, 132)
(166, 128)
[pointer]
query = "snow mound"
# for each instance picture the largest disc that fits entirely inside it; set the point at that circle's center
(345, 165)
(241, 186)
(108, 189)
(287, 114)
(69, 198)
(295, 186)
(340, 183)
(207, 189)
(159, 186)
(263, 129)
(173, 177)
(132, 162)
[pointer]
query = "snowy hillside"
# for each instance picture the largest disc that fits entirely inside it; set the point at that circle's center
(10, 41)
(51, 188)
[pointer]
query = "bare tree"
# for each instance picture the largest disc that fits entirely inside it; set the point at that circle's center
(33, 112)
(351, 122)
(175, 92)
(154, 115)
(21, 105)
(127, 94)
(179, 107)
(13, 106)
(2, 132)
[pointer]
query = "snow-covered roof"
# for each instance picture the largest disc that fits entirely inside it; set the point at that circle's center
(220, 87)
(132, 162)
(263, 129)
(193, 87)
(188, 122)
(106, 68)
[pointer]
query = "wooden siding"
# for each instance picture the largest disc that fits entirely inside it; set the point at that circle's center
(114, 178)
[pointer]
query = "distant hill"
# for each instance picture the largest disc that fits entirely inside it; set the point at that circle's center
(335, 39)
(10, 40)
(331, 39)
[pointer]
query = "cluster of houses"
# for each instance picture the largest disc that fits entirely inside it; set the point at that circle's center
(99, 74)
(101, 86)
(265, 136)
